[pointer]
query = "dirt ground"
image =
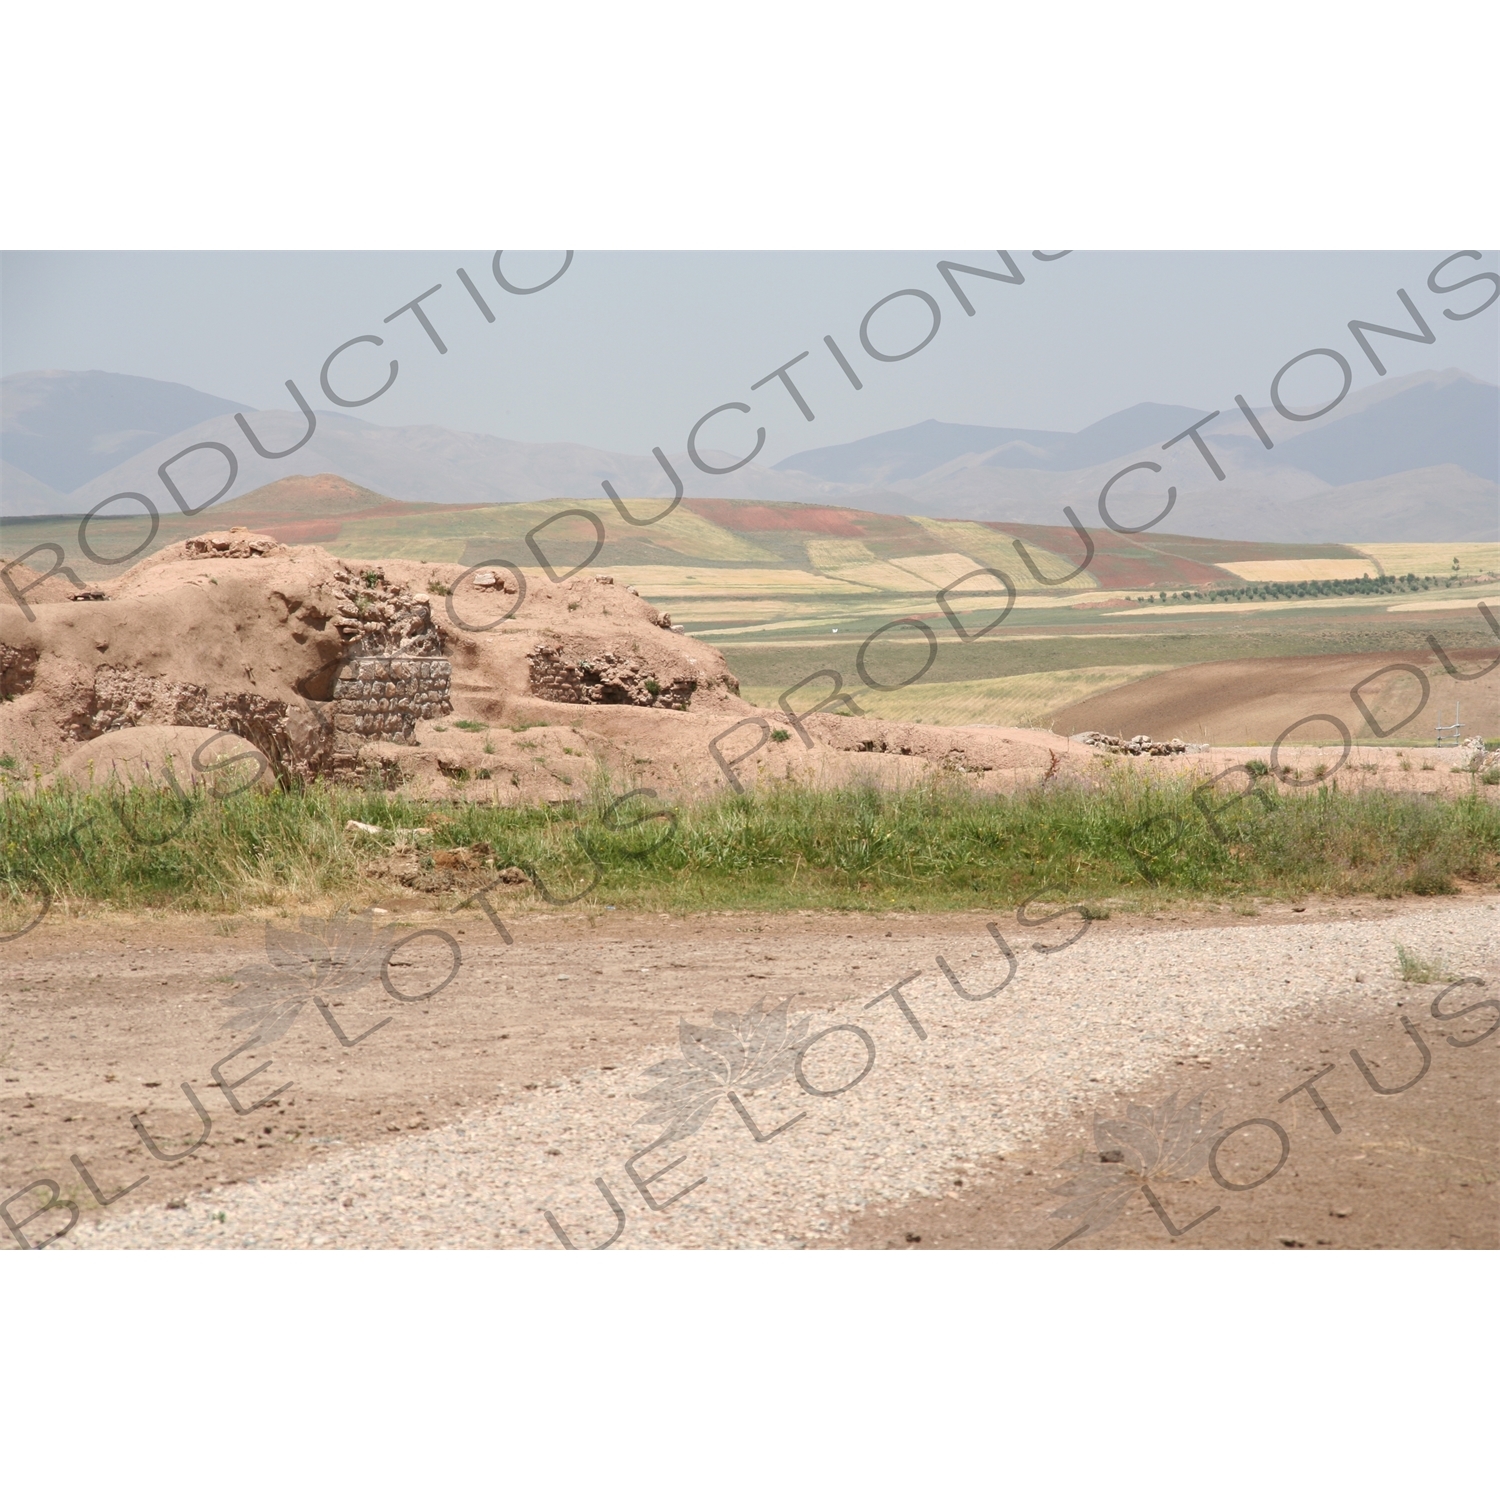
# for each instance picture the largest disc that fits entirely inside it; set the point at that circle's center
(1252, 702)
(108, 1018)
(1416, 1170)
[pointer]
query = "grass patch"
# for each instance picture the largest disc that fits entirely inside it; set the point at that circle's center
(937, 847)
(1417, 970)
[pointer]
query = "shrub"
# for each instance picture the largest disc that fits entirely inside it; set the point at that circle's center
(1417, 970)
(1430, 879)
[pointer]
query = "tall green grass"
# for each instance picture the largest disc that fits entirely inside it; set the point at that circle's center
(934, 848)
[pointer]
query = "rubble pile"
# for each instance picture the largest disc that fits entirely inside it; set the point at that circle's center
(610, 677)
(1472, 756)
(1141, 744)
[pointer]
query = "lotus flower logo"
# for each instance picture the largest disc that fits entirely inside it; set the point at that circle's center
(1168, 1144)
(736, 1054)
(313, 961)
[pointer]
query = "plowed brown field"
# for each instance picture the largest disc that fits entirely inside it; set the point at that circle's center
(1251, 702)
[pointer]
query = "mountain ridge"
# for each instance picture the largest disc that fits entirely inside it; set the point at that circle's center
(1416, 455)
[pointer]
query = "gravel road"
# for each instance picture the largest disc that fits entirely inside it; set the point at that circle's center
(988, 1077)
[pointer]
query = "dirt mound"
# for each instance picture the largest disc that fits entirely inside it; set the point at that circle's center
(1252, 702)
(21, 583)
(334, 667)
(450, 682)
(176, 758)
(475, 684)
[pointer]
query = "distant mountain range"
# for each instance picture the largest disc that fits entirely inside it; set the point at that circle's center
(1408, 459)
(66, 427)
(910, 454)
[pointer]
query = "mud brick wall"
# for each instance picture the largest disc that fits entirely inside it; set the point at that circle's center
(382, 697)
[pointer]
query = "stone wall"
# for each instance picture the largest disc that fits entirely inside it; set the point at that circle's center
(606, 678)
(383, 697)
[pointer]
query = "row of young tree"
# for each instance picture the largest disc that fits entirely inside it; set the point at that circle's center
(1317, 588)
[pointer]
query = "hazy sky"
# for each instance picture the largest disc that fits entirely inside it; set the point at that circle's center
(627, 350)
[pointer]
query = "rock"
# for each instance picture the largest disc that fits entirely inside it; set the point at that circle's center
(1140, 744)
(1471, 756)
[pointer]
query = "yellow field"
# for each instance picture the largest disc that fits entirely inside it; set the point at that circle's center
(853, 562)
(660, 584)
(995, 549)
(838, 552)
(1301, 569)
(942, 568)
(1027, 701)
(1423, 558)
(884, 576)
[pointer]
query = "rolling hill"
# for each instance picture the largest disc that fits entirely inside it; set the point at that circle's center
(789, 589)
